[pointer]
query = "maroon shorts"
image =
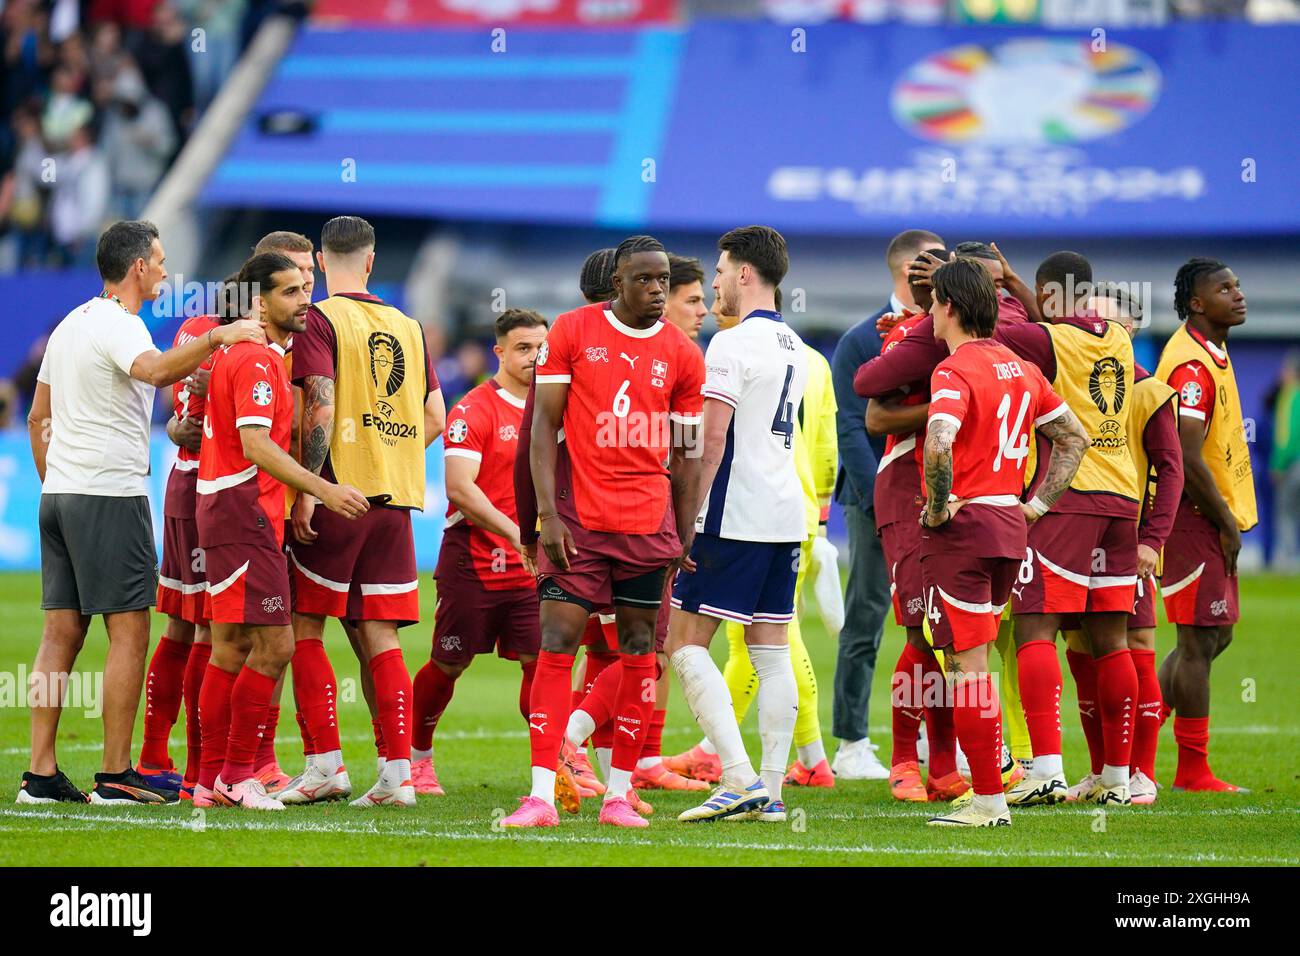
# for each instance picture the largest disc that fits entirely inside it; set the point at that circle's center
(471, 620)
(1196, 588)
(248, 584)
(1078, 564)
(362, 570)
(965, 596)
(901, 542)
(182, 581)
(604, 559)
(1144, 605)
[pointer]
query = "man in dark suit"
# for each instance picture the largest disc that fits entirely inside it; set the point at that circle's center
(867, 598)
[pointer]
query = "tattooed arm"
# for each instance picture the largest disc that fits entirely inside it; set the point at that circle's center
(317, 432)
(938, 473)
(1069, 442)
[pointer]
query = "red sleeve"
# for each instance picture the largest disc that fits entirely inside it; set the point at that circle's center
(949, 395)
(253, 386)
(554, 358)
(1050, 405)
(913, 359)
(469, 427)
(314, 348)
(1032, 342)
(1195, 387)
(1165, 452)
(687, 402)
(525, 495)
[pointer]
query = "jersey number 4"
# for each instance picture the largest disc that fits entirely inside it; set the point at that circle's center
(783, 422)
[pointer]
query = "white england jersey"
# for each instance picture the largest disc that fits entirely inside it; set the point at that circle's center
(760, 368)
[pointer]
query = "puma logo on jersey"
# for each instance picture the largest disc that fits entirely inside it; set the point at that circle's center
(631, 360)
(264, 368)
(944, 372)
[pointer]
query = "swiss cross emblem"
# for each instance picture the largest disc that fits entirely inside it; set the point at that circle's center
(659, 369)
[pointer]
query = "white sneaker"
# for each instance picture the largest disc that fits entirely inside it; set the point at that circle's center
(247, 794)
(922, 748)
(315, 785)
(857, 760)
(1032, 791)
(772, 813)
(726, 801)
(971, 815)
(386, 794)
(1142, 789)
(1081, 789)
(1108, 796)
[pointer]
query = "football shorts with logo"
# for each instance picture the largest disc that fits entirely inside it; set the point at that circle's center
(472, 619)
(247, 584)
(901, 543)
(181, 576)
(1076, 564)
(1194, 583)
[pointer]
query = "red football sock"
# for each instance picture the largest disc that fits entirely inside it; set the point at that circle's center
(392, 700)
(308, 745)
(1117, 691)
(314, 686)
(602, 697)
(214, 714)
(978, 719)
(432, 690)
(1084, 670)
(250, 699)
(1040, 695)
(597, 664)
(906, 703)
(940, 728)
(635, 704)
(1146, 735)
(266, 747)
(376, 728)
(195, 666)
(1193, 737)
(528, 672)
(654, 741)
(163, 687)
(548, 707)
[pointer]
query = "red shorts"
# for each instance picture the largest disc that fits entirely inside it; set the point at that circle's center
(1144, 605)
(362, 570)
(182, 581)
(901, 542)
(1195, 586)
(249, 584)
(964, 597)
(1077, 564)
(604, 558)
(471, 620)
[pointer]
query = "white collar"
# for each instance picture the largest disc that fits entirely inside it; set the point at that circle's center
(507, 397)
(627, 330)
(896, 304)
(1218, 353)
(279, 350)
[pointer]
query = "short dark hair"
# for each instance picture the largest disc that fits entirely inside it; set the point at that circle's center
(1190, 273)
(259, 272)
(761, 247)
(344, 235)
(967, 287)
(1063, 268)
(939, 252)
(228, 307)
(283, 241)
(683, 270)
(1131, 304)
(634, 244)
(900, 248)
(776, 298)
(120, 245)
(975, 249)
(596, 280)
(512, 319)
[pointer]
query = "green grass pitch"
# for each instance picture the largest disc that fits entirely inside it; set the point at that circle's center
(482, 760)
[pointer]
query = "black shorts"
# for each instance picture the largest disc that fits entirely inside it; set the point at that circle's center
(97, 554)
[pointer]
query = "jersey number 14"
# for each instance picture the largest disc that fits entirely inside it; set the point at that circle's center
(1013, 444)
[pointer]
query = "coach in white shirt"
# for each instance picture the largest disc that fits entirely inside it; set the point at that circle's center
(89, 428)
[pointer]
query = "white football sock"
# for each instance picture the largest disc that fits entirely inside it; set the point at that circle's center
(810, 755)
(394, 773)
(778, 709)
(580, 727)
(990, 803)
(1047, 765)
(620, 782)
(331, 761)
(418, 755)
(604, 757)
(706, 745)
(645, 763)
(707, 695)
(1114, 776)
(544, 784)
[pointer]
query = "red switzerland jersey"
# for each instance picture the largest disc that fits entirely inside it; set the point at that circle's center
(898, 476)
(184, 404)
(484, 427)
(237, 503)
(626, 389)
(995, 398)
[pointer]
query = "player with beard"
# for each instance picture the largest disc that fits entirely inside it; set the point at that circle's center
(243, 468)
(624, 387)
